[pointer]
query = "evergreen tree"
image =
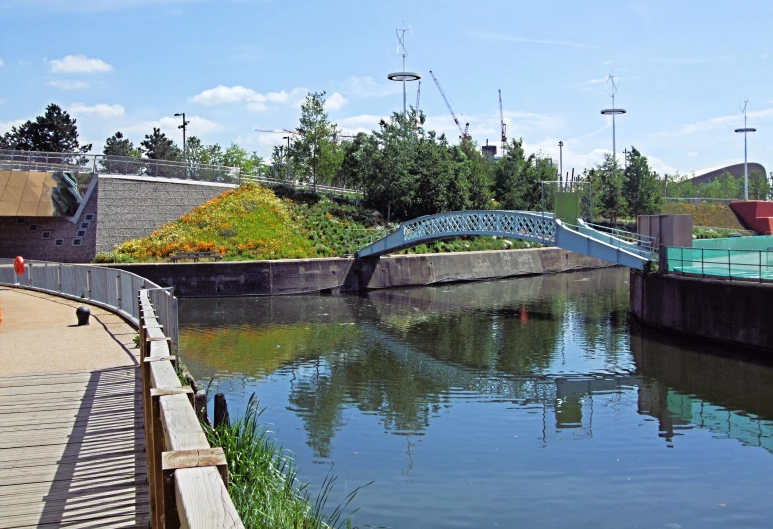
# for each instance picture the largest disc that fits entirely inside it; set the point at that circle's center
(119, 145)
(157, 146)
(54, 131)
(641, 188)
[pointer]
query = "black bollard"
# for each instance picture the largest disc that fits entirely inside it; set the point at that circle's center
(83, 314)
(221, 411)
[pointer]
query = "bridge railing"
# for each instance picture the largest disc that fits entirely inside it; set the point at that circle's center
(638, 243)
(113, 289)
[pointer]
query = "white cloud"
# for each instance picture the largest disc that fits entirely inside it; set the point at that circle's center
(692, 153)
(68, 85)
(362, 87)
(335, 101)
(1, 63)
(24, 63)
(101, 110)
(674, 60)
(198, 126)
(5, 126)
(239, 94)
(727, 122)
(79, 64)
(527, 40)
(363, 123)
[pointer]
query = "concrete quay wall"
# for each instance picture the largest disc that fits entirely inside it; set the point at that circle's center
(732, 312)
(296, 276)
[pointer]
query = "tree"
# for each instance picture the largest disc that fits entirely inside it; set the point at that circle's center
(759, 187)
(117, 148)
(119, 145)
(157, 146)
(517, 178)
(313, 130)
(641, 189)
(610, 188)
(54, 131)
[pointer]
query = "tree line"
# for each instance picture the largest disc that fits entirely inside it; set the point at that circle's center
(405, 170)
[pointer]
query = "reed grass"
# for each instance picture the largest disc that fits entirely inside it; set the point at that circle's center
(263, 479)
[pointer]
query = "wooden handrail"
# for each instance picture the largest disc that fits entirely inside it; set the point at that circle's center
(188, 479)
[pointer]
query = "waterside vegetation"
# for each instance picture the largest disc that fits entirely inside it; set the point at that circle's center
(262, 479)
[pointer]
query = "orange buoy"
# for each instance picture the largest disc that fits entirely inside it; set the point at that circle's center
(18, 265)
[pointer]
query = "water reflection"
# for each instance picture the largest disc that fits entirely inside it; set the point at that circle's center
(540, 360)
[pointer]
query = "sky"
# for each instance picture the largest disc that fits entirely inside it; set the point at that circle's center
(234, 66)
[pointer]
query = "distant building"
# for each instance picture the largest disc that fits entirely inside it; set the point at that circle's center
(708, 175)
(489, 151)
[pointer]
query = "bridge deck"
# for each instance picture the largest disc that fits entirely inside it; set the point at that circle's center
(71, 436)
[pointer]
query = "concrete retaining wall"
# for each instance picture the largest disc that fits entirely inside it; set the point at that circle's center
(733, 312)
(313, 275)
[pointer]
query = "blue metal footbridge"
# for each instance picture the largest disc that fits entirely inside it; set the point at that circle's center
(624, 248)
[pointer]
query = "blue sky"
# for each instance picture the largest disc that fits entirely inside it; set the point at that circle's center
(237, 65)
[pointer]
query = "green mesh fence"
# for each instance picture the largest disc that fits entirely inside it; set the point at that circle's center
(760, 242)
(731, 264)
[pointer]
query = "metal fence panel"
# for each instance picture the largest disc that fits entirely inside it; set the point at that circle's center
(754, 265)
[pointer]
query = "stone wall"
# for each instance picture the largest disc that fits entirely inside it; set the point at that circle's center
(133, 207)
(733, 312)
(209, 279)
(53, 238)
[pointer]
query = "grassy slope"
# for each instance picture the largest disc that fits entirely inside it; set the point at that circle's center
(253, 223)
(712, 215)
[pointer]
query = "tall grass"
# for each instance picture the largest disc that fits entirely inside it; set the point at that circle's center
(262, 479)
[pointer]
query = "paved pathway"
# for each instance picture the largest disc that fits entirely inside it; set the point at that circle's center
(71, 433)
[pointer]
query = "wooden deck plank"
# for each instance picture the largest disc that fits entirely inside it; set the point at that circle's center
(75, 471)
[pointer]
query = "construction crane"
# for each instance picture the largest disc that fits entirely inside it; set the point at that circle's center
(502, 122)
(464, 135)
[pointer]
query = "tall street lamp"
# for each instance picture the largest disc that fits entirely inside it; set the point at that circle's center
(561, 158)
(288, 156)
(745, 129)
(183, 126)
(613, 112)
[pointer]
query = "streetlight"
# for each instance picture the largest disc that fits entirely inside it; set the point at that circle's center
(745, 129)
(183, 126)
(613, 112)
(561, 157)
(288, 157)
(403, 76)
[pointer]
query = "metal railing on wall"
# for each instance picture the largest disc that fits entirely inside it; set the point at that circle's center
(107, 287)
(745, 265)
(124, 165)
(118, 165)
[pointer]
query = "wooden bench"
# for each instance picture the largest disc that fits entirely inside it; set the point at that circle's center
(196, 256)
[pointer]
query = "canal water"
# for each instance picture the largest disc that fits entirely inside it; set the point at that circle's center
(531, 402)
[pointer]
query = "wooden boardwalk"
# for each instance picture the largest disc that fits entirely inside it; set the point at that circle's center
(72, 448)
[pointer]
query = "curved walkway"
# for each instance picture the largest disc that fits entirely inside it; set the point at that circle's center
(71, 431)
